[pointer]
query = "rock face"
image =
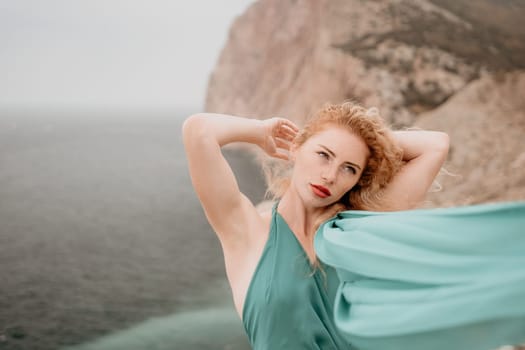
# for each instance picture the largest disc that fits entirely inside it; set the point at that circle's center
(486, 123)
(456, 66)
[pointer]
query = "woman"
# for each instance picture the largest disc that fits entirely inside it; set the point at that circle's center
(345, 158)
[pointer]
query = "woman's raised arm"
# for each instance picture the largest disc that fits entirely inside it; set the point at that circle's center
(212, 177)
(424, 153)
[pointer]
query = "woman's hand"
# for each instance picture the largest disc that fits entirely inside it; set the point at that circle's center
(278, 136)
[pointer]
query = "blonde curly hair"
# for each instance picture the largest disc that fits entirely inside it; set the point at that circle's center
(384, 162)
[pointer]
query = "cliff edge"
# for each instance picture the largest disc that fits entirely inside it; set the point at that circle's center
(456, 66)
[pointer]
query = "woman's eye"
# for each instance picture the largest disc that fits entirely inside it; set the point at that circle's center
(350, 170)
(323, 154)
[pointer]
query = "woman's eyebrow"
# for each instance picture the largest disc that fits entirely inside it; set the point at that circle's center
(328, 150)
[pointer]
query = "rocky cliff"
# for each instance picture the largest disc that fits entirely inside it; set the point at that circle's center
(456, 66)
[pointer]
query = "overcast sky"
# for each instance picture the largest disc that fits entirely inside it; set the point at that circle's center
(111, 53)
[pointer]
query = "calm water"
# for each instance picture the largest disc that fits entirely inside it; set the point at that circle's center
(103, 244)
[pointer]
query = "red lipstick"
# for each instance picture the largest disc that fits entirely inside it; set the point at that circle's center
(320, 191)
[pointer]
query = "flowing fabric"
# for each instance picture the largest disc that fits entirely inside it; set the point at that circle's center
(451, 278)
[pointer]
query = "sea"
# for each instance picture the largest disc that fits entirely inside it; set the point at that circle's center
(103, 243)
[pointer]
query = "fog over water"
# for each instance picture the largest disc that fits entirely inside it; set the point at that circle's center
(103, 244)
(101, 235)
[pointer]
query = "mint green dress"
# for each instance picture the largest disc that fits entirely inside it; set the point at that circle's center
(430, 279)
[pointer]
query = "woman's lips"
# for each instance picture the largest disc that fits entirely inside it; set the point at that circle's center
(320, 191)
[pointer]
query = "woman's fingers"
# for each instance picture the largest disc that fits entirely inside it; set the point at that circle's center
(286, 131)
(283, 132)
(280, 155)
(282, 149)
(285, 123)
(290, 124)
(280, 143)
(289, 134)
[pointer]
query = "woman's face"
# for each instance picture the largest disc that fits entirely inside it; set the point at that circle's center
(328, 165)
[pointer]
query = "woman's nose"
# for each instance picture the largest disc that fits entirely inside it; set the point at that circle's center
(329, 174)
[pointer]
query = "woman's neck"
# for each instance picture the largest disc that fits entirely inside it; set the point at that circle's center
(297, 215)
